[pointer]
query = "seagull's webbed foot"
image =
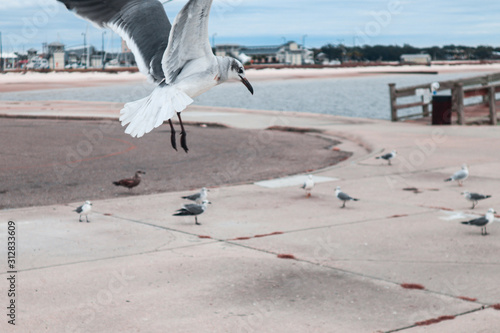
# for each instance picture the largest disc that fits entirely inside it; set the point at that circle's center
(183, 134)
(172, 135)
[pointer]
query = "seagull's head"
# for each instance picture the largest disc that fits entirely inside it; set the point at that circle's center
(491, 211)
(204, 189)
(465, 193)
(310, 176)
(464, 166)
(206, 202)
(337, 189)
(237, 72)
(88, 203)
(140, 172)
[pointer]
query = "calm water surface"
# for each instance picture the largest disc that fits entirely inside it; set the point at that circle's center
(366, 96)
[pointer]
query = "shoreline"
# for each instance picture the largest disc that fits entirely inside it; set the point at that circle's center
(32, 81)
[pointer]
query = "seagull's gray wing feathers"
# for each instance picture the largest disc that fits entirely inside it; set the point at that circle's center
(79, 209)
(477, 196)
(192, 197)
(459, 175)
(188, 38)
(143, 24)
(194, 209)
(344, 197)
(480, 222)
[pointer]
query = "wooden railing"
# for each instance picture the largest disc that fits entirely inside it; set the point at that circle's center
(460, 90)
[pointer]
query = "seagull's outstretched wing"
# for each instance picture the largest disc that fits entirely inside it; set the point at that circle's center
(143, 24)
(188, 38)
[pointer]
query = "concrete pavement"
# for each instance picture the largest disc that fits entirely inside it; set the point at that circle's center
(136, 268)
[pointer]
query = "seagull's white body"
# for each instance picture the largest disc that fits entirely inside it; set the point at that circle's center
(460, 175)
(388, 157)
(199, 197)
(343, 196)
(474, 197)
(177, 57)
(84, 209)
(308, 185)
(483, 221)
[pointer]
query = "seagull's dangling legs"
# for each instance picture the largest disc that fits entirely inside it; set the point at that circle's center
(172, 135)
(183, 134)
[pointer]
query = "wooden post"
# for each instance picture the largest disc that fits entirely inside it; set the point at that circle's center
(425, 108)
(492, 101)
(485, 82)
(393, 100)
(460, 103)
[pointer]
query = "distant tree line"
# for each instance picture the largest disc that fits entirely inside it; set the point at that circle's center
(393, 52)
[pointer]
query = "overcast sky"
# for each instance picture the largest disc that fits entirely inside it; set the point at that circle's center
(29, 23)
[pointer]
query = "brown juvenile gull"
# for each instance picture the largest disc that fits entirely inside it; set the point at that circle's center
(177, 57)
(130, 182)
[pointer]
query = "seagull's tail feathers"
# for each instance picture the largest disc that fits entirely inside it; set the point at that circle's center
(355, 199)
(448, 180)
(148, 113)
(182, 212)
(487, 196)
(378, 157)
(116, 183)
(466, 222)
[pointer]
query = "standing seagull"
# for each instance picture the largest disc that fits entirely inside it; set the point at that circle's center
(193, 210)
(178, 57)
(198, 197)
(483, 221)
(343, 196)
(84, 209)
(130, 182)
(308, 185)
(388, 157)
(460, 175)
(474, 197)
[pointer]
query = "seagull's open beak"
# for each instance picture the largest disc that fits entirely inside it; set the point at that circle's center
(247, 84)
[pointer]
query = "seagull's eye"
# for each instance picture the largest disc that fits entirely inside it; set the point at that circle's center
(240, 70)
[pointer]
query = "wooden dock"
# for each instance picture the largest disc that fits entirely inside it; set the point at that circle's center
(464, 110)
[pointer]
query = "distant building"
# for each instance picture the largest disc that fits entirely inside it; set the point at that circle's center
(423, 59)
(56, 55)
(290, 53)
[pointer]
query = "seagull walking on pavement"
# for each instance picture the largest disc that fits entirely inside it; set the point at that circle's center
(483, 221)
(343, 196)
(193, 210)
(474, 197)
(308, 185)
(460, 175)
(84, 209)
(130, 182)
(198, 197)
(388, 157)
(177, 57)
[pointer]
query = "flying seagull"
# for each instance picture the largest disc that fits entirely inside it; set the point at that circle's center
(84, 209)
(343, 196)
(388, 157)
(198, 197)
(474, 197)
(460, 175)
(483, 221)
(130, 182)
(193, 210)
(308, 185)
(178, 58)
